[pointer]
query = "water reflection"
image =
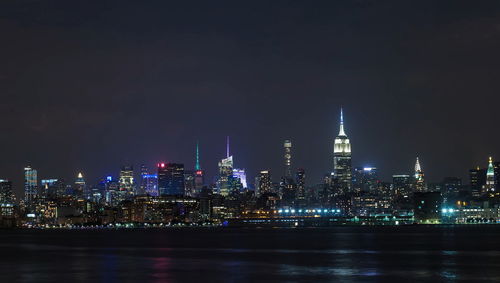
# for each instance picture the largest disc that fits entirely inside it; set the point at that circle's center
(347, 254)
(161, 267)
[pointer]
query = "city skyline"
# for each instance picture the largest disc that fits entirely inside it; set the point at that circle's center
(127, 85)
(341, 144)
(261, 141)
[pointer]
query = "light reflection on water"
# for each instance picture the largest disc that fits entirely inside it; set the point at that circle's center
(352, 254)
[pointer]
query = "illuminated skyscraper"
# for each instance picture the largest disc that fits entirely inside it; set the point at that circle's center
(162, 178)
(49, 188)
(264, 184)
(199, 180)
(496, 169)
(126, 180)
(6, 194)
(288, 159)
(342, 158)
(112, 191)
(151, 184)
(225, 172)
(189, 187)
(240, 174)
(490, 177)
(477, 181)
(142, 186)
(401, 185)
(79, 189)
(365, 179)
(197, 164)
(419, 178)
(300, 179)
(171, 179)
(30, 185)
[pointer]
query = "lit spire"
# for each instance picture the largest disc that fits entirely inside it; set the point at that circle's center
(80, 175)
(197, 165)
(227, 147)
(341, 131)
(491, 171)
(417, 166)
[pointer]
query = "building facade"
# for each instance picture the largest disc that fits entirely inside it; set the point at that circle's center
(30, 186)
(419, 178)
(342, 169)
(171, 179)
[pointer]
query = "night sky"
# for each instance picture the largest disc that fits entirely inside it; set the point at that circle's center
(93, 85)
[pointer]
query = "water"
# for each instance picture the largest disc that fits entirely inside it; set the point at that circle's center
(361, 254)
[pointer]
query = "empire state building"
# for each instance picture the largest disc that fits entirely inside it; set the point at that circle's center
(342, 158)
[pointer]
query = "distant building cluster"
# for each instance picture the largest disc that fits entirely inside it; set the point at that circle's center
(171, 194)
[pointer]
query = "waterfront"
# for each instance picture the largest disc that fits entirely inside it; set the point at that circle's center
(452, 253)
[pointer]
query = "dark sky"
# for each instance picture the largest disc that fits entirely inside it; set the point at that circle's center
(92, 85)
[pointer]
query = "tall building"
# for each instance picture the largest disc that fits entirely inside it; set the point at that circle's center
(199, 179)
(170, 179)
(197, 165)
(240, 174)
(112, 191)
(365, 179)
(401, 184)
(79, 189)
(49, 188)
(287, 191)
(342, 158)
(264, 184)
(496, 170)
(477, 178)
(450, 187)
(490, 177)
(30, 185)
(126, 180)
(151, 181)
(419, 178)
(300, 179)
(189, 185)
(225, 173)
(288, 159)
(143, 184)
(6, 194)
(162, 179)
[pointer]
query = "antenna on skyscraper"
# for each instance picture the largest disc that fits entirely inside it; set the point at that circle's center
(341, 130)
(227, 147)
(197, 165)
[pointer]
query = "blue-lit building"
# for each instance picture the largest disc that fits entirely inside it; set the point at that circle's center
(170, 179)
(150, 182)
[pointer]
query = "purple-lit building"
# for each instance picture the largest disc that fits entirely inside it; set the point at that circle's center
(240, 174)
